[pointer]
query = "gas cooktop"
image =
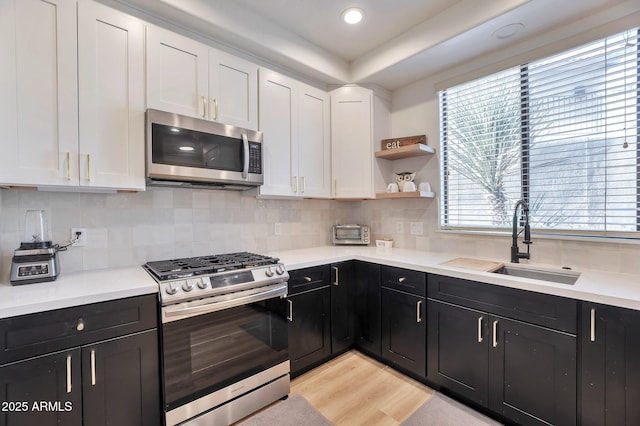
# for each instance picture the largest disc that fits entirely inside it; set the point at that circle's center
(165, 270)
(195, 278)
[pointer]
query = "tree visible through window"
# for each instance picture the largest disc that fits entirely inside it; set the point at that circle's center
(561, 133)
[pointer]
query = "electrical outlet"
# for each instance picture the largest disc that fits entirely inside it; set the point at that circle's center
(399, 228)
(277, 228)
(416, 228)
(82, 240)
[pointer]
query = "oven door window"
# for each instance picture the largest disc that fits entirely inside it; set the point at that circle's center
(189, 148)
(211, 351)
(348, 233)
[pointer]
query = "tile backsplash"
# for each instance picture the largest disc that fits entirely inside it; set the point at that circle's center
(162, 223)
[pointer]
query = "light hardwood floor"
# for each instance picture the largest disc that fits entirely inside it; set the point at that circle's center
(354, 389)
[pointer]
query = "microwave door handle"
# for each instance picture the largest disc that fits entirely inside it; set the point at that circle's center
(245, 145)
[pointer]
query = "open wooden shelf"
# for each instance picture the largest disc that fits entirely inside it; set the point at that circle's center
(416, 194)
(407, 151)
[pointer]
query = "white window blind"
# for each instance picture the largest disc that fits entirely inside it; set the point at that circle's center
(560, 133)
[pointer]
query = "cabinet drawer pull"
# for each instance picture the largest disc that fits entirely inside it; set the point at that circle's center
(480, 329)
(401, 279)
(418, 316)
(80, 325)
(337, 280)
(69, 374)
(93, 367)
(308, 279)
(495, 333)
(593, 324)
(204, 107)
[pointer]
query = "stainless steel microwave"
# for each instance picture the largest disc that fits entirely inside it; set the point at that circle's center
(351, 234)
(186, 151)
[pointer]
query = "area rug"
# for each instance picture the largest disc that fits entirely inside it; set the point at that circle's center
(294, 411)
(440, 410)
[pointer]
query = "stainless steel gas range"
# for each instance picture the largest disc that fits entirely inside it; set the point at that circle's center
(224, 336)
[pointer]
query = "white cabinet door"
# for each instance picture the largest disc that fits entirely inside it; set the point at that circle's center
(314, 138)
(233, 90)
(278, 118)
(38, 92)
(351, 142)
(177, 73)
(111, 98)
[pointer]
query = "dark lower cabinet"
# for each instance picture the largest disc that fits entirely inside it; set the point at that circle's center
(112, 381)
(342, 306)
(457, 350)
(309, 318)
(403, 330)
(367, 306)
(532, 373)
(610, 350)
(522, 371)
(43, 391)
(121, 381)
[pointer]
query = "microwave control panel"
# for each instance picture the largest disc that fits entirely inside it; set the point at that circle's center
(255, 158)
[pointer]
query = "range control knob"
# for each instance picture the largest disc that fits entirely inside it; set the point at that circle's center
(171, 289)
(188, 285)
(279, 270)
(204, 282)
(269, 272)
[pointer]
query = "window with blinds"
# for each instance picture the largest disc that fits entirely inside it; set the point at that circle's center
(560, 133)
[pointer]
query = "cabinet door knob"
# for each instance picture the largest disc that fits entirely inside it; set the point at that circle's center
(93, 367)
(418, 316)
(80, 325)
(290, 316)
(480, 329)
(336, 281)
(593, 325)
(401, 279)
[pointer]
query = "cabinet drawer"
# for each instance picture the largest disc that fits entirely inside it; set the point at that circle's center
(413, 282)
(542, 309)
(35, 334)
(308, 279)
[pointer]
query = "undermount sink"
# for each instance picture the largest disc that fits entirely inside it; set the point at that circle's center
(561, 277)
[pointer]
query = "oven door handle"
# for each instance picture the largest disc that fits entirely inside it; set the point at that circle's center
(172, 314)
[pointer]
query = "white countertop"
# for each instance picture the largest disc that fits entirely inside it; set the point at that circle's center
(81, 288)
(73, 289)
(608, 288)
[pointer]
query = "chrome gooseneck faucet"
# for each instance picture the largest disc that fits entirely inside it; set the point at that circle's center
(515, 253)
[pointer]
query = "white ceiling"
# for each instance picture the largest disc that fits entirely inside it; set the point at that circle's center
(398, 41)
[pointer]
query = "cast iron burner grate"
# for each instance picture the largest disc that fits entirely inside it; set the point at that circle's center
(204, 265)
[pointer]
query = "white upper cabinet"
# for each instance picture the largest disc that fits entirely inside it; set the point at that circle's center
(278, 124)
(314, 142)
(294, 119)
(111, 98)
(233, 90)
(38, 93)
(360, 119)
(71, 96)
(190, 78)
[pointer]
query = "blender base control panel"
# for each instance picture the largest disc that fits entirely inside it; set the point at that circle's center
(32, 270)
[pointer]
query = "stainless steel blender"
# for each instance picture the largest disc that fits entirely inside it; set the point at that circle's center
(35, 261)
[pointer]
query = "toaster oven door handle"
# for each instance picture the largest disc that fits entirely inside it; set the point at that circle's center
(174, 313)
(245, 147)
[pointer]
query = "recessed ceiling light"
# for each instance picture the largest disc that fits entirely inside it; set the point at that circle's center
(353, 15)
(186, 148)
(508, 31)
